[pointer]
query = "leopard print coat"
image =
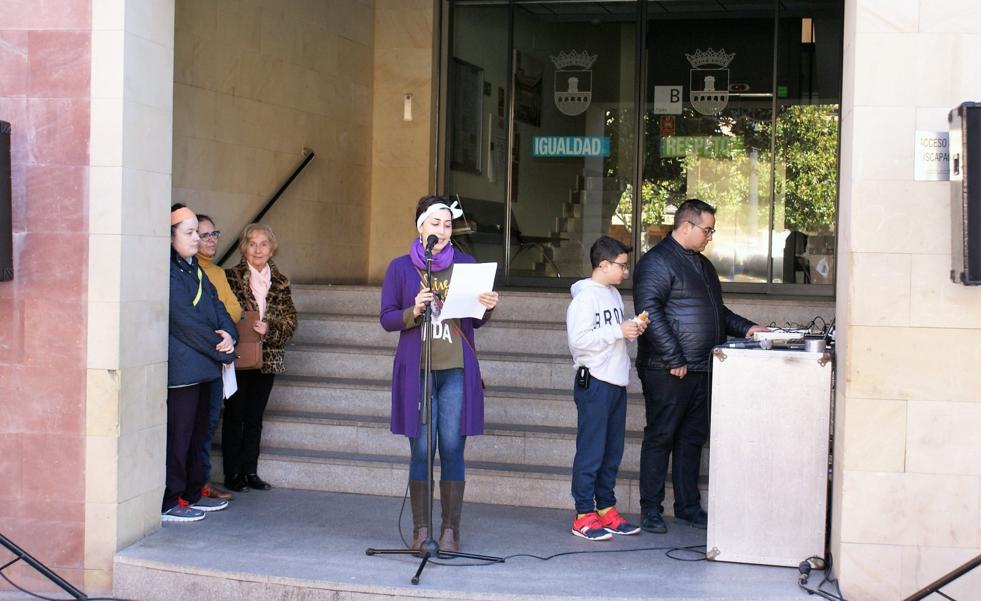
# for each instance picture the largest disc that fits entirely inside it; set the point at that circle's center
(280, 313)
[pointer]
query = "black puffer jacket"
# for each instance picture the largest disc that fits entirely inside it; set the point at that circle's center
(680, 290)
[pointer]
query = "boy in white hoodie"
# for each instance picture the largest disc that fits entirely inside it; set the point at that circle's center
(597, 332)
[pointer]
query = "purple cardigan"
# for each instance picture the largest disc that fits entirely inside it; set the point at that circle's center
(399, 293)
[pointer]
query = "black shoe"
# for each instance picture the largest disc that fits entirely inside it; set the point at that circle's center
(257, 483)
(653, 522)
(699, 520)
(236, 483)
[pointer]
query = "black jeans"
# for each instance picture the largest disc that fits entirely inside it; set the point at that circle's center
(188, 409)
(677, 426)
(241, 430)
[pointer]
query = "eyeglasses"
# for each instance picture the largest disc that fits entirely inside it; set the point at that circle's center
(623, 265)
(708, 230)
(210, 235)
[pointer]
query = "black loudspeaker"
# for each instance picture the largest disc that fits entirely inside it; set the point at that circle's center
(6, 227)
(965, 193)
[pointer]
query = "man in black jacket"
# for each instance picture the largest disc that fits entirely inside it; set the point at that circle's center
(679, 288)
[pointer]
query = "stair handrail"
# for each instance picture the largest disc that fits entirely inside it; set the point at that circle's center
(939, 583)
(308, 156)
(22, 555)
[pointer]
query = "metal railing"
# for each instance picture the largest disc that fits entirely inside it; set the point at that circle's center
(22, 555)
(265, 209)
(939, 583)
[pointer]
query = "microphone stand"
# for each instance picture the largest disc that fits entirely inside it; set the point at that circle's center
(429, 547)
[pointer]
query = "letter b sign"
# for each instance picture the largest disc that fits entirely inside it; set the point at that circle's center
(667, 100)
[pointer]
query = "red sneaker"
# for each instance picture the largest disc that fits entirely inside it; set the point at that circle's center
(589, 527)
(613, 522)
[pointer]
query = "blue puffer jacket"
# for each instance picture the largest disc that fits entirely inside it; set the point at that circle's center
(680, 290)
(192, 356)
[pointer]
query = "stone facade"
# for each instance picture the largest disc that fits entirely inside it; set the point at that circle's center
(256, 82)
(44, 94)
(107, 99)
(401, 151)
(907, 483)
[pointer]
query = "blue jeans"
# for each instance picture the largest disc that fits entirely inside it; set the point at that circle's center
(602, 410)
(217, 395)
(447, 387)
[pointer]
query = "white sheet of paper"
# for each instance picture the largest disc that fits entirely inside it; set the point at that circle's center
(469, 281)
(229, 383)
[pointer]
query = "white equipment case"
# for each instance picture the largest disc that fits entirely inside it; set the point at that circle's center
(768, 473)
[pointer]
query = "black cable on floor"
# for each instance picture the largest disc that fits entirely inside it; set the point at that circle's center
(38, 596)
(805, 570)
(668, 551)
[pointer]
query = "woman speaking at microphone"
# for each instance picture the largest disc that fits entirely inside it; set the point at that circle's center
(457, 392)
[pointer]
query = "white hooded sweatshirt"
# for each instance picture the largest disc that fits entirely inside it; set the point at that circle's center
(592, 324)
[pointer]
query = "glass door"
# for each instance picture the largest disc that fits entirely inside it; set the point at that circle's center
(708, 115)
(570, 119)
(573, 108)
(742, 111)
(540, 149)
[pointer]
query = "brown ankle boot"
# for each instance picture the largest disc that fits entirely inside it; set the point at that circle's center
(451, 503)
(420, 529)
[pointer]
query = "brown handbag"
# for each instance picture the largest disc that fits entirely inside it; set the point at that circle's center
(248, 351)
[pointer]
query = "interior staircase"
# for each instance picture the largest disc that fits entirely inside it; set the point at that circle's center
(326, 427)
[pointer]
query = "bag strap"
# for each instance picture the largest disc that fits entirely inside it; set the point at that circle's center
(240, 280)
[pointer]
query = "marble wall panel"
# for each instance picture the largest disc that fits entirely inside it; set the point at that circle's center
(888, 16)
(15, 67)
(910, 509)
(942, 438)
(47, 15)
(57, 194)
(935, 301)
(898, 363)
(881, 289)
(895, 216)
(906, 484)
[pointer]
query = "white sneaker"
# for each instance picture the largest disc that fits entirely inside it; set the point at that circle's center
(179, 514)
(208, 504)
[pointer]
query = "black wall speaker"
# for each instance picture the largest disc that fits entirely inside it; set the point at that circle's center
(6, 227)
(965, 193)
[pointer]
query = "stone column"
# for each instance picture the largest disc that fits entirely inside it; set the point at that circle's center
(129, 191)
(907, 484)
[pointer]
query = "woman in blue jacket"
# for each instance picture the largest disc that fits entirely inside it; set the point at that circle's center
(202, 339)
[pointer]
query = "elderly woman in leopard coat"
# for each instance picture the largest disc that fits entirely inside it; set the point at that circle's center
(259, 286)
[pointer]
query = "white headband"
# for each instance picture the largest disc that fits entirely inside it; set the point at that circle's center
(455, 212)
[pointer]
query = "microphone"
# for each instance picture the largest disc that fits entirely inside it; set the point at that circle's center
(764, 344)
(431, 242)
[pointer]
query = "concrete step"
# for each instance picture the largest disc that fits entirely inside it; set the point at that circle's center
(496, 335)
(539, 371)
(549, 307)
(497, 484)
(511, 444)
(502, 404)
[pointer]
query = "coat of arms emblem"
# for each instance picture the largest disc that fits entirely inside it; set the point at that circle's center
(573, 81)
(709, 84)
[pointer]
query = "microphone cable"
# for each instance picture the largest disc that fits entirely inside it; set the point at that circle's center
(697, 551)
(669, 551)
(815, 562)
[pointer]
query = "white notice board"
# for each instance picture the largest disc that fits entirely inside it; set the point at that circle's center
(931, 160)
